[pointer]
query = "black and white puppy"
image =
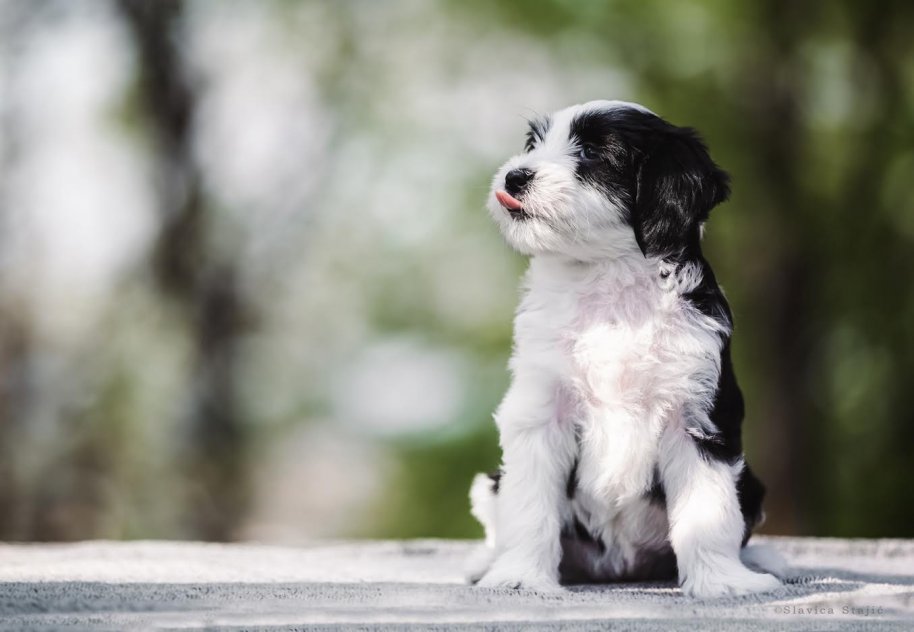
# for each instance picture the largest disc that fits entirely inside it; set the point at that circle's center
(622, 456)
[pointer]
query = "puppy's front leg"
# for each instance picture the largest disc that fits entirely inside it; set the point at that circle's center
(538, 451)
(706, 525)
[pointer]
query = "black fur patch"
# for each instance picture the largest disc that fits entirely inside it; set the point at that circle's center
(678, 185)
(726, 414)
(539, 127)
(657, 494)
(495, 477)
(578, 531)
(571, 486)
(707, 297)
(608, 168)
(751, 493)
(655, 566)
(661, 173)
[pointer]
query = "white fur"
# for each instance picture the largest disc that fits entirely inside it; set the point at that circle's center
(482, 506)
(605, 348)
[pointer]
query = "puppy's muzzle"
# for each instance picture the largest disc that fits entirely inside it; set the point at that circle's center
(516, 182)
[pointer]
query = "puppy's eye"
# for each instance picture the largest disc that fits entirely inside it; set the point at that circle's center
(589, 152)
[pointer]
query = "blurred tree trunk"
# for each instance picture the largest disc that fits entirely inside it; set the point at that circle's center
(15, 397)
(16, 339)
(875, 265)
(818, 275)
(776, 134)
(200, 281)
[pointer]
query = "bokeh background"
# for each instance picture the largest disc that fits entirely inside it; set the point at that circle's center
(248, 289)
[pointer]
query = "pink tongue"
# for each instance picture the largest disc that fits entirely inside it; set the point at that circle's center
(507, 200)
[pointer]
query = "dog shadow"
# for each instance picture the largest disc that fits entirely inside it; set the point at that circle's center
(800, 583)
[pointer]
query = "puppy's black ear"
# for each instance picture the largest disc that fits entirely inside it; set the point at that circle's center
(678, 185)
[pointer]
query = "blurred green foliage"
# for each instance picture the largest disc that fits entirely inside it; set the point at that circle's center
(314, 174)
(810, 106)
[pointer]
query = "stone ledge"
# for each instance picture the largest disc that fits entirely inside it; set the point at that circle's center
(837, 584)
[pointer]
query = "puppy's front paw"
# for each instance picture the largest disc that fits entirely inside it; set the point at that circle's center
(733, 581)
(515, 579)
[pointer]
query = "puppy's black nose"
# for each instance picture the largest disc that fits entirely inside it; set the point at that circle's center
(516, 180)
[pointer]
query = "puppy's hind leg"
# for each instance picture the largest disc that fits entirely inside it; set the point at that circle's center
(483, 494)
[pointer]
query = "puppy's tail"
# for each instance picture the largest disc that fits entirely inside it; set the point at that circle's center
(483, 493)
(483, 496)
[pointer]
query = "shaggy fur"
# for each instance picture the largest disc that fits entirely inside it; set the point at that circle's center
(622, 457)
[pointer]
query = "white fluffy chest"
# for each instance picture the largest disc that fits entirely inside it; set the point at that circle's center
(624, 356)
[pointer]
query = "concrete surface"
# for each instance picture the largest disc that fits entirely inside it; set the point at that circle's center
(837, 585)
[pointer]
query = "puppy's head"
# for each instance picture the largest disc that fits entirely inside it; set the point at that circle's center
(605, 179)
